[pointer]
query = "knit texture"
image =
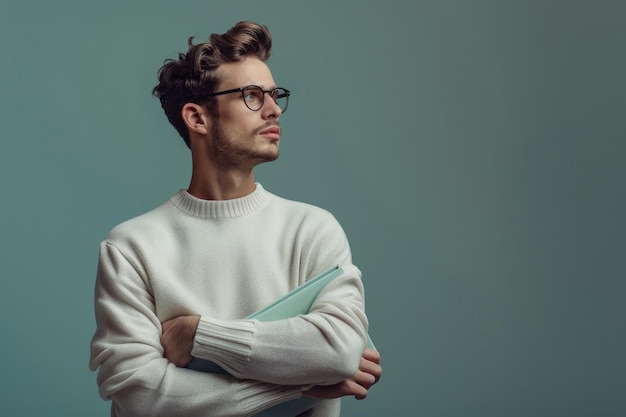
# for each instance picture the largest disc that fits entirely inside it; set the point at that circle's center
(223, 260)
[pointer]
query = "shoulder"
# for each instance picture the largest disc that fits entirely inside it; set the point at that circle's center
(311, 220)
(144, 227)
(298, 210)
(317, 232)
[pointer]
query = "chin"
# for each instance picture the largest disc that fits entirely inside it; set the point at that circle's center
(272, 157)
(270, 154)
(266, 157)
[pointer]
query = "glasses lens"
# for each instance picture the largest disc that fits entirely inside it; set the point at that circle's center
(281, 97)
(253, 97)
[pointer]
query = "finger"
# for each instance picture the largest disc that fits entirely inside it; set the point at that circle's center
(360, 392)
(371, 368)
(371, 355)
(166, 325)
(364, 379)
(355, 388)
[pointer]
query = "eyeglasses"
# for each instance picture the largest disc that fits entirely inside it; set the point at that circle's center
(254, 96)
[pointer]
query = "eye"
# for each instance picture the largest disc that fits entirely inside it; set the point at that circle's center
(253, 95)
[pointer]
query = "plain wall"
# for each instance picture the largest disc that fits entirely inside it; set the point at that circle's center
(473, 151)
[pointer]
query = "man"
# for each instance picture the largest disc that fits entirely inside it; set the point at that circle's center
(178, 281)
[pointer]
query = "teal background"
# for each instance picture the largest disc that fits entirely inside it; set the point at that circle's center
(473, 151)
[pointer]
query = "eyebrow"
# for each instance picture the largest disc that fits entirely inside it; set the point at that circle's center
(258, 85)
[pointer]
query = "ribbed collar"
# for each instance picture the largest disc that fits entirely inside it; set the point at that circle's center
(221, 209)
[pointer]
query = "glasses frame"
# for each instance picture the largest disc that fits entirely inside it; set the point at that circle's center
(242, 90)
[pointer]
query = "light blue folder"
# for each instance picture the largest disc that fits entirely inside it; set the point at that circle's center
(297, 301)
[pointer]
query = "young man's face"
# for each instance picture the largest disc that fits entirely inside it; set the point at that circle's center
(242, 137)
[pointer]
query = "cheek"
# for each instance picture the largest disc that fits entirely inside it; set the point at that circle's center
(237, 132)
(240, 124)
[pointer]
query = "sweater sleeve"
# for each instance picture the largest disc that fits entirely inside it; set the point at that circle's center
(132, 371)
(322, 347)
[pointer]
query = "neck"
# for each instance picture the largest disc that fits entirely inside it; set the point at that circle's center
(209, 184)
(218, 178)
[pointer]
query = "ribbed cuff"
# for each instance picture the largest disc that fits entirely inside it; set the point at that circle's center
(225, 342)
(255, 396)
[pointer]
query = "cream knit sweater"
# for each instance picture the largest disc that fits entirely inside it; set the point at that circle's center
(223, 260)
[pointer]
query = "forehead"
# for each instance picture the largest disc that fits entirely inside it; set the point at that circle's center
(245, 72)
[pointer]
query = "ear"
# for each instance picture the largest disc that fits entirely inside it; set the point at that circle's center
(196, 118)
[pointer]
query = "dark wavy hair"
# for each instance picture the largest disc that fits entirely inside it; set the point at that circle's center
(191, 77)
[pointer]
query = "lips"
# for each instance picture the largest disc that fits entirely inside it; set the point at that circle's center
(272, 132)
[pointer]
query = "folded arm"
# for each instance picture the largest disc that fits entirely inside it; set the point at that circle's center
(321, 347)
(132, 370)
(178, 338)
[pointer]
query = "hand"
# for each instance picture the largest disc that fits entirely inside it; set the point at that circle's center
(358, 385)
(177, 339)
